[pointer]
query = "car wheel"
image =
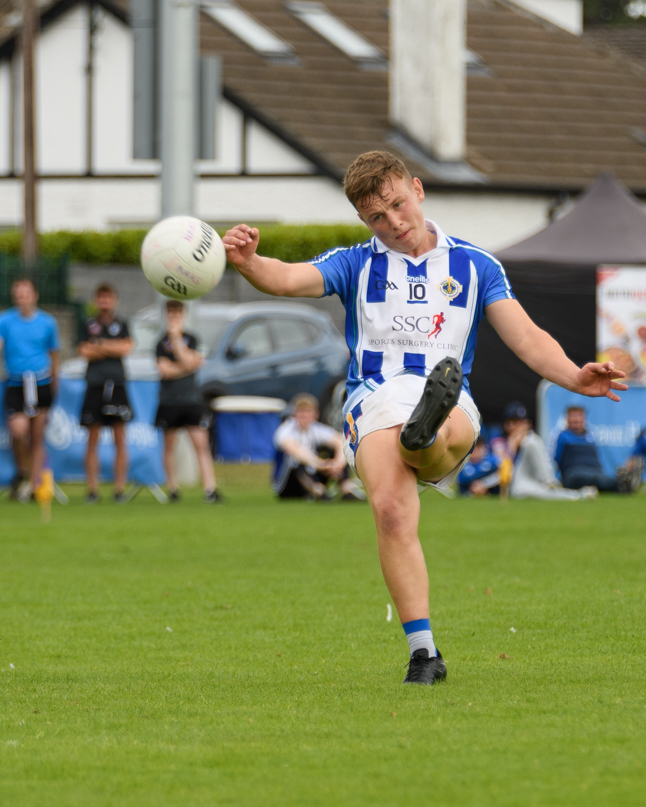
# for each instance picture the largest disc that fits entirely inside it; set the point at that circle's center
(332, 402)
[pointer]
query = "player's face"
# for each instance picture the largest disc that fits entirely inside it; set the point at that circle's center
(106, 302)
(25, 297)
(305, 417)
(396, 217)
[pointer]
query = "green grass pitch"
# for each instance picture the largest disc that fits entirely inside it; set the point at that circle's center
(240, 655)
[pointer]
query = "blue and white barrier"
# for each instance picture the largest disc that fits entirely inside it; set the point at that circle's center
(66, 440)
(615, 426)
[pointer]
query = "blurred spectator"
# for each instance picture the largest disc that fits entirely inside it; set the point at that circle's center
(533, 475)
(180, 402)
(30, 342)
(309, 454)
(104, 343)
(578, 459)
(481, 474)
(635, 463)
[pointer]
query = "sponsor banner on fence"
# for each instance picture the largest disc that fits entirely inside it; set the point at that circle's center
(615, 426)
(66, 440)
(621, 319)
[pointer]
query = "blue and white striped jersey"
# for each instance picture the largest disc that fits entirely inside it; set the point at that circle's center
(405, 314)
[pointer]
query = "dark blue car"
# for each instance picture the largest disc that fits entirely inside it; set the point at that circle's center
(273, 349)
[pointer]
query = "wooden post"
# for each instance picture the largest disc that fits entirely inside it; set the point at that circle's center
(30, 245)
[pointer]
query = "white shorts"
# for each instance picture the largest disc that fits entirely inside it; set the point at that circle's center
(391, 405)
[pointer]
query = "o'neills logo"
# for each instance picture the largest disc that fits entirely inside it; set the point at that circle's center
(206, 242)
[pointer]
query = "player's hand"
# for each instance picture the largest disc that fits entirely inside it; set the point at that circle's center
(241, 243)
(598, 380)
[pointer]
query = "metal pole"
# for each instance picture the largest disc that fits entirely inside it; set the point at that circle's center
(89, 132)
(30, 245)
(178, 48)
(179, 42)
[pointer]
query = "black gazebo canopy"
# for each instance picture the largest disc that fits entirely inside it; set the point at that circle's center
(553, 275)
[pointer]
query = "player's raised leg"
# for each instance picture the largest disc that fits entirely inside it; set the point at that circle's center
(438, 435)
(391, 485)
(452, 443)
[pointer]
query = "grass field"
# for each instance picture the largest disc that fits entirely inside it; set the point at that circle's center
(240, 655)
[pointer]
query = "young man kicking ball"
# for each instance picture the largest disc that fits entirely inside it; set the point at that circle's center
(409, 416)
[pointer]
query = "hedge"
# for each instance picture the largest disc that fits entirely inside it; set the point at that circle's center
(291, 243)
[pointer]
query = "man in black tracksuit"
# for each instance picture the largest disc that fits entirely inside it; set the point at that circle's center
(180, 402)
(105, 342)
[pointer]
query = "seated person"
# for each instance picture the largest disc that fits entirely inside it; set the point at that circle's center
(309, 454)
(481, 473)
(634, 466)
(578, 459)
(181, 404)
(533, 475)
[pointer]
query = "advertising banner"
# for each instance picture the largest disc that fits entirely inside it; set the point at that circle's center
(615, 426)
(621, 319)
(66, 439)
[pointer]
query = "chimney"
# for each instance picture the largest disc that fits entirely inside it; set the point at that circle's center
(428, 74)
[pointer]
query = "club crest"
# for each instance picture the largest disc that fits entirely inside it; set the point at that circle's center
(450, 287)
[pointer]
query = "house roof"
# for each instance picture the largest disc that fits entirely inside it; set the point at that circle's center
(553, 112)
(550, 111)
(627, 40)
(606, 225)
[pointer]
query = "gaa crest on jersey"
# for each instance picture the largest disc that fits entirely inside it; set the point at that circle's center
(450, 287)
(114, 328)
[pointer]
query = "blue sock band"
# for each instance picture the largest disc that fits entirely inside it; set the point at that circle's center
(416, 625)
(419, 635)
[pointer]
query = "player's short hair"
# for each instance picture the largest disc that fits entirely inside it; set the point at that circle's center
(304, 401)
(575, 408)
(174, 305)
(20, 280)
(365, 178)
(105, 288)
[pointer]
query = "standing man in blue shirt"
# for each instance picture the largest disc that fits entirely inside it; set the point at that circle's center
(30, 341)
(409, 416)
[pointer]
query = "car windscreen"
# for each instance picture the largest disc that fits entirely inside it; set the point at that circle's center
(210, 333)
(145, 334)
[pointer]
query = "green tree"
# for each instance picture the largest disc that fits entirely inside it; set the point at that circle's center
(612, 11)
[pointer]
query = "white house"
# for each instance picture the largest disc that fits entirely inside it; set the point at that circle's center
(500, 107)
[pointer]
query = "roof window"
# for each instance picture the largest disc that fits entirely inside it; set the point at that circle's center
(338, 33)
(475, 64)
(250, 30)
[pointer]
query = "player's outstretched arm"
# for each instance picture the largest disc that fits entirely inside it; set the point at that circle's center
(545, 356)
(268, 274)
